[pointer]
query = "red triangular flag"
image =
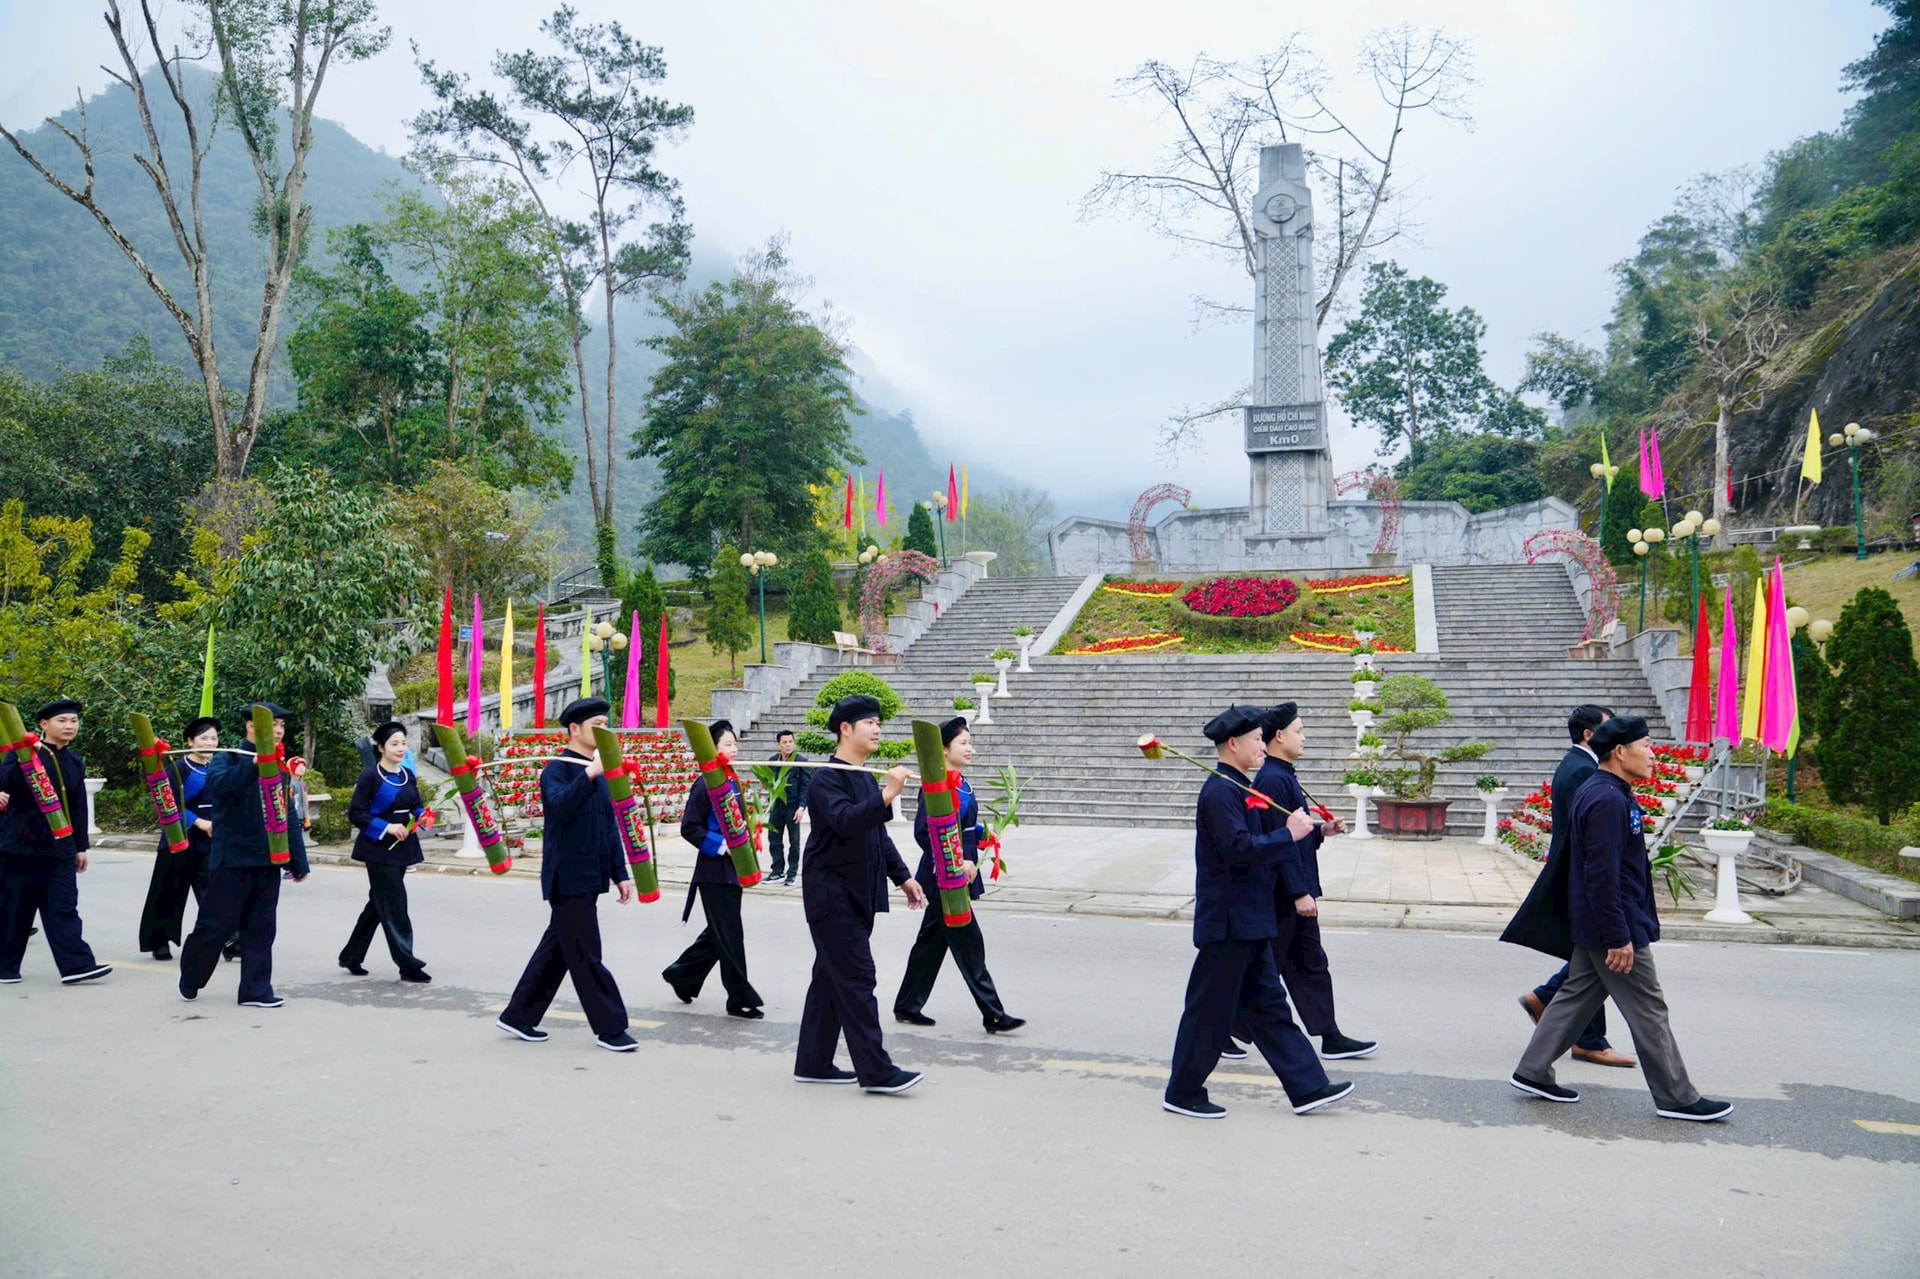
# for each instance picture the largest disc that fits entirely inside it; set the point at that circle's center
(846, 519)
(660, 679)
(1699, 690)
(443, 663)
(540, 669)
(953, 495)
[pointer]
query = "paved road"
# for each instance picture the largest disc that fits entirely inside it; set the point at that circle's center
(370, 1128)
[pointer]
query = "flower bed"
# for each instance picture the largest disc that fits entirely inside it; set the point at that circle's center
(1242, 596)
(667, 769)
(1341, 585)
(1327, 642)
(1129, 644)
(1147, 590)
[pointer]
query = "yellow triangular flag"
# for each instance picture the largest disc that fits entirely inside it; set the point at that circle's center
(586, 655)
(1756, 663)
(963, 492)
(1810, 466)
(506, 670)
(1606, 463)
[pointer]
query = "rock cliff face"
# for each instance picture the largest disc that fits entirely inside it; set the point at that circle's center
(1862, 368)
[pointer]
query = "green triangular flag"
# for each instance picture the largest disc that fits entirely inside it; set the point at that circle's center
(206, 680)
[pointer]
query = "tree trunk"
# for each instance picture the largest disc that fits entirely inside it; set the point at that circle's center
(1722, 509)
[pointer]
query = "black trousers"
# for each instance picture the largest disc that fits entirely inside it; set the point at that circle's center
(386, 909)
(724, 942)
(246, 898)
(1302, 963)
(930, 946)
(1230, 976)
(783, 827)
(49, 887)
(569, 948)
(174, 876)
(840, 1000)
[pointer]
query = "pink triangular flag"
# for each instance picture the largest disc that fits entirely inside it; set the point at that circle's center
(1726, 720)
(630, 703)
(473, 671)
(1653, 451)
(880, 500)
(1646, 467)
(1777, 710)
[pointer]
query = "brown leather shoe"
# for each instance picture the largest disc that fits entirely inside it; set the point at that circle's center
(1604, 1057)
(1531, 1002)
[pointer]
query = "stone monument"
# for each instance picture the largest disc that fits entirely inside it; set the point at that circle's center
(1286, 425)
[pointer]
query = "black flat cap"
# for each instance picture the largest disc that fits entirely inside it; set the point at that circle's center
(58, 706)
(1232, 722)
(1618, 731)
(953, 728)
(851, 710)
(582, 709)
(199, 725)
(1276, 718)
(380, 735)
(272, 708)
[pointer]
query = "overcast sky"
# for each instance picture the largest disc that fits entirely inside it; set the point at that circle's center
(928, 161)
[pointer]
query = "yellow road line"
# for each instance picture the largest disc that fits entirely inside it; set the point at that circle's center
(1151, 1072)
(1882, 1125)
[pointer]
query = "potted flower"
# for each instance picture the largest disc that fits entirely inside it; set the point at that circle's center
(1364, 627)
(1023, 637)
(1726, 837)
(1368, 746)
(1360, 710)
(1363, 656)
(983, 690)
(1727, 834)
(1413, 704)
(1360, 783)
(1002, 659)
(1490, 790)
(1364, 682)
(966, 708)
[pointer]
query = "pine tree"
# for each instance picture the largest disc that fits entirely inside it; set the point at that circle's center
(920, 535)
(815, 612)
(728, 629)
(1870, 707)
(641, 594)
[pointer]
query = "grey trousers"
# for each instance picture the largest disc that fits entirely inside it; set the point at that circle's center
(1638, 997)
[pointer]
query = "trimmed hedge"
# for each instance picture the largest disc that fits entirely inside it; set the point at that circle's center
(859, 683)
(1853, 838)
(821, 744)
(1274, 626)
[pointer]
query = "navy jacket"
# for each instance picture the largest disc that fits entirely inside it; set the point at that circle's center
(700, 826)
(797, 779)
(24, 831)
(1234, 866)
(380, 802)
(581, 852)
(1575, 768)
(1541, 922)
(1609, 881)
(190, 790)
(971, 832)
(239, 827)
(849, 857)
(1299, 874)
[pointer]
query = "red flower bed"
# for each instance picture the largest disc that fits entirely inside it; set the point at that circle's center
(1242, 596)
(1152, 590)
(1128, 644)
(1341, 585)
(667, 768)
(1328, 642)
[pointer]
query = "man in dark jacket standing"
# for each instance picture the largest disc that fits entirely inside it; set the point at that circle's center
(786, 813)
(580, 856)
(1233, 931)
(1613, 922)
(38, 873)
(1575, 768)
(849, 859)
(243, 884)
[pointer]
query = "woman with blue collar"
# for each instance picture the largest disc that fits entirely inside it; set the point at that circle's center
(177, 874)
(723, 942)
(935, 938)
(386, 803)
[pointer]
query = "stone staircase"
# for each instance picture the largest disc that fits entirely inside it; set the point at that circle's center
(1069, 727)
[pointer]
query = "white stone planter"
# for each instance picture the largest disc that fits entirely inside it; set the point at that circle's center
(1025, 644)
(1727, 845)
(93, 788)
(1003, 665)
(983, 693)
(1491, 834)
(1359, 794)
(1365, 637)
(967, 714)
(1695, 774)
(1363, 661)
(1363, 689)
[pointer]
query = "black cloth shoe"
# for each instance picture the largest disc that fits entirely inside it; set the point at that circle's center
(913, 1019)
(1002, 1024)
(416, 974)
(531, 1034)
(1704, 1111)
(161, 952)
(678, 989)
(898, 1082)
(187, 996)
(834, 1075)
(1336, 1047)
(1550, 1092)
(789, 881)
(1321, 1097)
(9, 979)
(1198, 1109)
(1233, 1052)
(620, 1043)
(749, 1014)
(271, 1001)
(86, 974)
(356, 969)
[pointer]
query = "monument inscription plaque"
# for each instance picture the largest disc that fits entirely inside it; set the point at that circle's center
(1274, 427)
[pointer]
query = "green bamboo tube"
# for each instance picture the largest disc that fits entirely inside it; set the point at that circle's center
(943, 825)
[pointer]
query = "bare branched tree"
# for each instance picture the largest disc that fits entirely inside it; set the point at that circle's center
(1220, 113)
(1738, 333)
(273, 58)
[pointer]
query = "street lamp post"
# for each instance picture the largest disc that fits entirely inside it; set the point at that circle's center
(1853, 437)
(605, 641)
(1692, 528)
(1604, 473)
(1637, 538)
(937, 507)
(757, 563)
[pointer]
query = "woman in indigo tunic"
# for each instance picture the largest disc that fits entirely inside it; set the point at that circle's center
(177, 874)
(385, 804)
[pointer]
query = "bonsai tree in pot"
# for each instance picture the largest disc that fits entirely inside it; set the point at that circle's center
(1413, 704)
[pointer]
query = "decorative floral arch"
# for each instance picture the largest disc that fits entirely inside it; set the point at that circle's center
(1142, 506)
(1380, 487)
(888, 572)
(1586, 553)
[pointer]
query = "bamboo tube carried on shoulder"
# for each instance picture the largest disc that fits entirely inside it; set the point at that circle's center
(627, 816)
(723, 788)
(45, 796)
(153, 770)
(943, 825)
(465, 770)
(268, 756)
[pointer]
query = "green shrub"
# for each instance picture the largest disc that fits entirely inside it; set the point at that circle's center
(821, 744)
(125, 808)
(816, 611)
(1854, 838)
(856, 683)
(920, 535)
(1868, 709)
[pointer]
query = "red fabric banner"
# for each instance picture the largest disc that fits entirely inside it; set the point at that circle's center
(1699, 689)
(660, 679)
(443, 666)
(540, 669)
(953, 495)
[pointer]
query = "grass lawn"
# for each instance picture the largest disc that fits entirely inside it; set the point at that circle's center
(1809, 793)
(1823, 587)
(1109, 615)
